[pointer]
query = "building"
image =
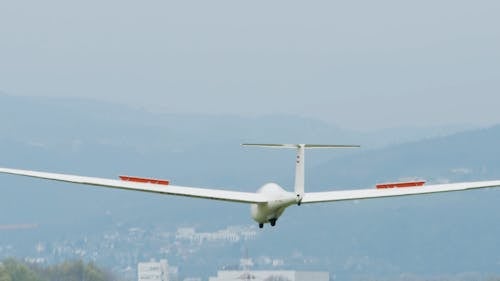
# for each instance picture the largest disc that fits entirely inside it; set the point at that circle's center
(276, 275)
(153, 271)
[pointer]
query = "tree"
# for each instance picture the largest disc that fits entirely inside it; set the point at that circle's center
(16, 271)
(4, 275)
(12, 270)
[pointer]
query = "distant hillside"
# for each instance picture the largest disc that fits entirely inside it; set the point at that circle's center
(470, 155)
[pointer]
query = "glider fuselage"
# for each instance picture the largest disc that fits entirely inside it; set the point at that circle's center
(279, 200)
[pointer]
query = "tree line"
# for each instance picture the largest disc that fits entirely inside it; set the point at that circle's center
(14, 270)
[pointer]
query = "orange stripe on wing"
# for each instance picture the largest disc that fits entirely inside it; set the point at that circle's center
(144, 180)
(400, 184)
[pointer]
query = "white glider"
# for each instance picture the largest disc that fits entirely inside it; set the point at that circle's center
(271, 200)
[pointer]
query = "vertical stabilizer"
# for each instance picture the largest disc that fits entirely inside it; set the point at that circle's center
(299, 172)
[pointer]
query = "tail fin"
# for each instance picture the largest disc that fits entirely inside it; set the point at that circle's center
(299, 163)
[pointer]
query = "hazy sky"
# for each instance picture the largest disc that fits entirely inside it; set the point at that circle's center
(359, 64)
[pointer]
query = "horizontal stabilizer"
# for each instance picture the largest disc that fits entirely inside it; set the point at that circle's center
(279, 145)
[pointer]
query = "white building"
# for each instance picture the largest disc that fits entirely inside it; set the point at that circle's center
(276, 275)
(153, 271)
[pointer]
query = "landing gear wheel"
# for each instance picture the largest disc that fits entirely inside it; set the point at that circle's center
(273, 222)
(261, 225)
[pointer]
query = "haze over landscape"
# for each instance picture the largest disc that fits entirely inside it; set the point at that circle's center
(171, 89)
(422, 236)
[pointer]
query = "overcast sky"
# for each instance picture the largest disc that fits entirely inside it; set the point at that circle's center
(358, 64)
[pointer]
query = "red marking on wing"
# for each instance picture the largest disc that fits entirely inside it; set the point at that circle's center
(144, 180)
(400, 184)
